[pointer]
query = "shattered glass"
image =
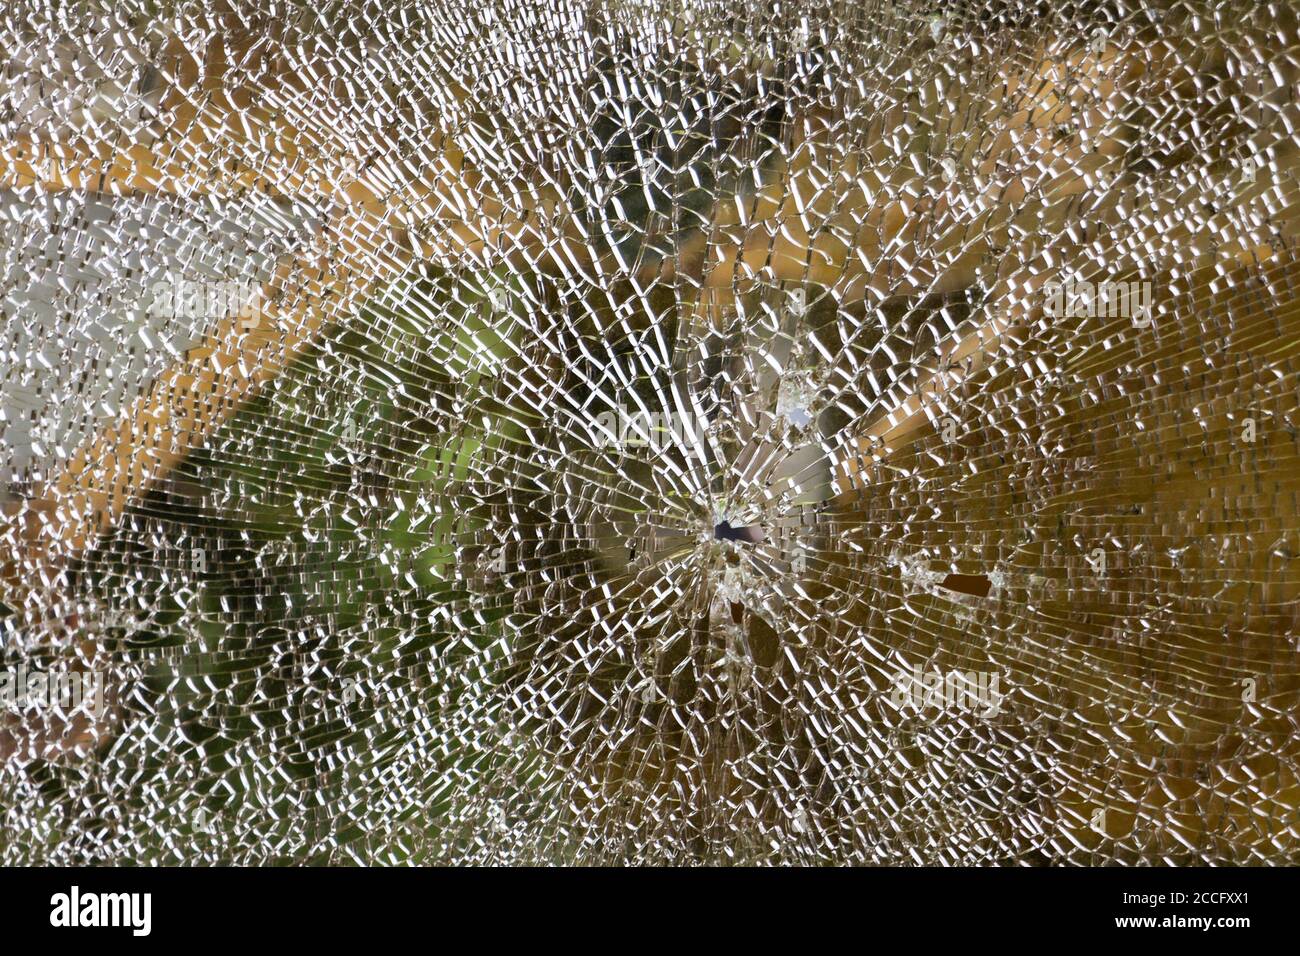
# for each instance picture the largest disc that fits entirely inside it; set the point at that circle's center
(649, 431)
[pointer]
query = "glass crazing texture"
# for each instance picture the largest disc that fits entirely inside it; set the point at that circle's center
(649, 432)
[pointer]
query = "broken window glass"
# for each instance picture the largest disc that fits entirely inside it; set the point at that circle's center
(649, 431)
